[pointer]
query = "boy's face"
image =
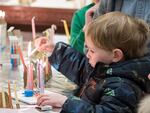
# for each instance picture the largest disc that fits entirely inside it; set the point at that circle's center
(95, 54)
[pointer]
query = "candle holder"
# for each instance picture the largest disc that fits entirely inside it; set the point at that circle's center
(41, 69)
(8, 103)
(47, 74)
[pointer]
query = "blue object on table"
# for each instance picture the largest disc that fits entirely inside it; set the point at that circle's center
(28, 93)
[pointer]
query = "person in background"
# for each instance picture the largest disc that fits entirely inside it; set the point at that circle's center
(136, 8)
(111, 76)
(77, 24)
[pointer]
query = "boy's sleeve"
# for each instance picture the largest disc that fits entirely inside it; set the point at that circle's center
(70, 63)
(117, 98)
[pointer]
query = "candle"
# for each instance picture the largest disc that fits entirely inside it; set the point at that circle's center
(10, 31)
(30, 77)
(38, 74)
(3, 98)
(12, 53)
(29, 48)
(9, 95)
(47, 66)
(33, 28)
(21, 57)
(16, 97)
(15, 53)
(41, 77)
(2, 14)
(52, 33)
(66, 29)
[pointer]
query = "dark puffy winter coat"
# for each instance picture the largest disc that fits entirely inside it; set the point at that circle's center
(115, 88)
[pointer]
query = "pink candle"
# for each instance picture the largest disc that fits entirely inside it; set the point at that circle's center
(30, 77)
(31, 73)
(21, 57)
(33, 28)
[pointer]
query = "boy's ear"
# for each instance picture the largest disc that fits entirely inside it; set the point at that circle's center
(117, 55)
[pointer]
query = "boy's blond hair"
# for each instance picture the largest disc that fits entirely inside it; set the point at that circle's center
(117, 30)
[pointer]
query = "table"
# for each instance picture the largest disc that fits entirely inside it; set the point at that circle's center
(25, 110)
(58, 83)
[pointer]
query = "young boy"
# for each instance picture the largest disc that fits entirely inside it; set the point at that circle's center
(111, 76)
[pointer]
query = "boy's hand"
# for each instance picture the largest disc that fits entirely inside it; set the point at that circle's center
(52, 99)
(43, 44)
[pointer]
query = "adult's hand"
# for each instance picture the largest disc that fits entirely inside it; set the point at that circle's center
(89, 14)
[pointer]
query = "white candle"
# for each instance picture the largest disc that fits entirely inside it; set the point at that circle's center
(15, 93)
(9, 95)
(41, 77)
(38, 75)
(29, 48)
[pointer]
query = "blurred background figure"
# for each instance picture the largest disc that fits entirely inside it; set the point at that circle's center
(77, 24)
(136, 8)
